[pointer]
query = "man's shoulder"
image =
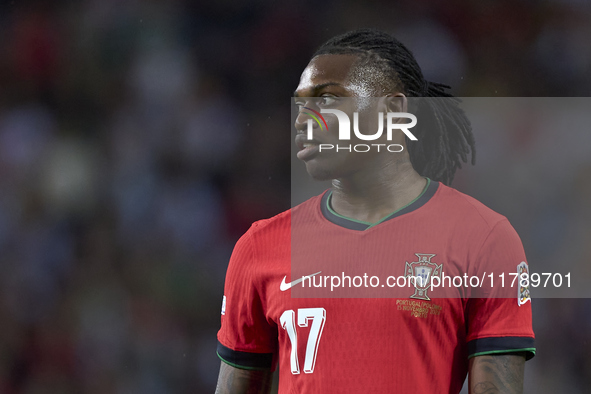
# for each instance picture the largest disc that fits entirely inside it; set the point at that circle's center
(281, 222)
(466, 208)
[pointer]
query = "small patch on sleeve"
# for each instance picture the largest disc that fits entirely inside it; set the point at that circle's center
(523, 295)
(223, 305)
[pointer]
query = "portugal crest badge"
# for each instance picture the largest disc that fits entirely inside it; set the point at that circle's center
(422, 271)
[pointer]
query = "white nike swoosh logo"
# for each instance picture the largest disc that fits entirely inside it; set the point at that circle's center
(286, 286)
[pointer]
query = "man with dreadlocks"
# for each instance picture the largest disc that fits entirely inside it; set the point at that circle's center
(384, 210)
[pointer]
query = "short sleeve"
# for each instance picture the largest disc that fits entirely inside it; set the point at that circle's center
(246, 339)
(499, 316)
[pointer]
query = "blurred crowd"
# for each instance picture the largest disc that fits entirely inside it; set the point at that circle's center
(140, 139)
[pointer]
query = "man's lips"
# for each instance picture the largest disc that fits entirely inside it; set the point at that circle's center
(303, 142)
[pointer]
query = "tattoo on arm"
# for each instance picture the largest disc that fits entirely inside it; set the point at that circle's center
(497, 374)
(241, 381)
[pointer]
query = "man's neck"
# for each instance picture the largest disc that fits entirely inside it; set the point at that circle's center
(371, 195)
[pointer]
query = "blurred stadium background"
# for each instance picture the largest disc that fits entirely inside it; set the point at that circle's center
(139, 140)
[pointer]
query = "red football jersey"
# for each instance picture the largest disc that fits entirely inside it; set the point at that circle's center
(370, 335)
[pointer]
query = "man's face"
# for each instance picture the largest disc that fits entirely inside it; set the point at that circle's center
(334, 82)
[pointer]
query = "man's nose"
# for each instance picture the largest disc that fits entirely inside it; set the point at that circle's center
(301, 121)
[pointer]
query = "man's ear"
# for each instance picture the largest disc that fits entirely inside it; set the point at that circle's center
(396, 102)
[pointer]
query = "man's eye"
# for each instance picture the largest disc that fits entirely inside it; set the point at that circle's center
(326, 100)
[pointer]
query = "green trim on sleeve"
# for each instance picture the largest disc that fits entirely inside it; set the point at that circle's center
(240, 366)
(530, 350)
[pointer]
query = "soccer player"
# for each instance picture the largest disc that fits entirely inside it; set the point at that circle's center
(395, 207)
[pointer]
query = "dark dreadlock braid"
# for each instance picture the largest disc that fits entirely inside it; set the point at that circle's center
(444, 132)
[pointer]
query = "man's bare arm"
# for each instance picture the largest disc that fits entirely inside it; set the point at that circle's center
(233, 380)
(496, 374)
